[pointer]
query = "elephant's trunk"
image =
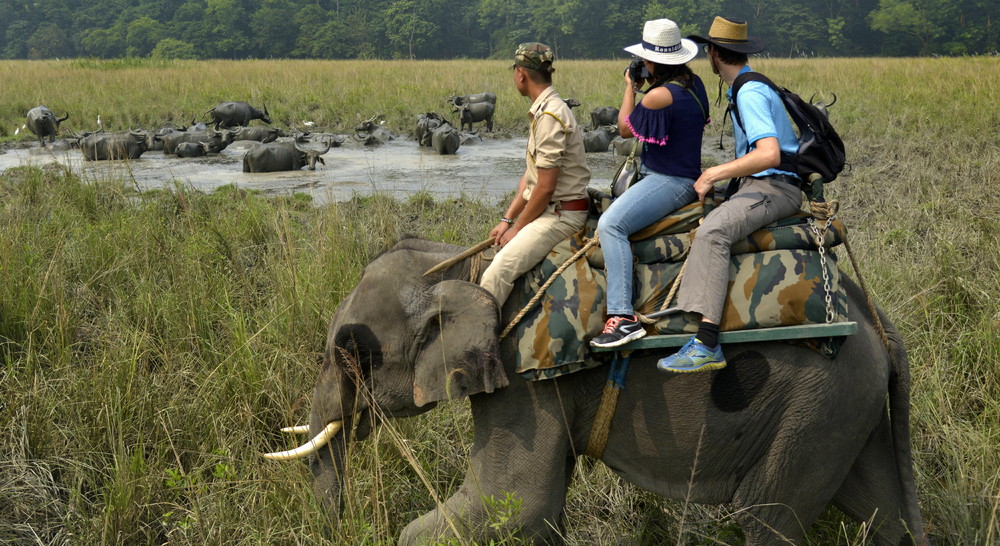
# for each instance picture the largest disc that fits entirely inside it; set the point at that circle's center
(327, 465)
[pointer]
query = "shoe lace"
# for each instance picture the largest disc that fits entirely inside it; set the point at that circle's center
(611, 324)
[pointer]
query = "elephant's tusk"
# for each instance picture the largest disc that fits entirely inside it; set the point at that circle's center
(298, 429)
(310, 447)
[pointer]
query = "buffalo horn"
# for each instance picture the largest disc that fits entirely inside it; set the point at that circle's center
(834, 100)
(310, 447)
(465, 254)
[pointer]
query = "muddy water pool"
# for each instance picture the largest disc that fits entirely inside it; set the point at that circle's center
(488, 169)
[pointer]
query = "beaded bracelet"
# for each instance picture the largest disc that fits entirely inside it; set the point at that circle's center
(508, 220)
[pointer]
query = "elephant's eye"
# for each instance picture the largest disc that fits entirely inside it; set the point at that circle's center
(358, 350)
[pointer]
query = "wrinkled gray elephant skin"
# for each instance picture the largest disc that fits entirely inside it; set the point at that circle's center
(779, 433)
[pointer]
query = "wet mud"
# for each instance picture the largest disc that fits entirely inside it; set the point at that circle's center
(488, 168)
(485, 168)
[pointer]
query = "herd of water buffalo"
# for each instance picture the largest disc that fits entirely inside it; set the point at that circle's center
(277, 151)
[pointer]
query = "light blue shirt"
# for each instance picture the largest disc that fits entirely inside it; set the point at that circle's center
(763, 115)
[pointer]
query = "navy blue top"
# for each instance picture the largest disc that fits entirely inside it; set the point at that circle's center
(671, 136)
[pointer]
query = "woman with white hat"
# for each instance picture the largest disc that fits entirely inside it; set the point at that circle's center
(669, 123)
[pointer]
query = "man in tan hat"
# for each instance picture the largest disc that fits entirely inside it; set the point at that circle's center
(763, 195)
(551, 201)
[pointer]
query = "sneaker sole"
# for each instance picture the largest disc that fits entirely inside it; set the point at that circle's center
(631, 337)
(703, 368)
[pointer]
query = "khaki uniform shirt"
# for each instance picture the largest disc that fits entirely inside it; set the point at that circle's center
(556, 141)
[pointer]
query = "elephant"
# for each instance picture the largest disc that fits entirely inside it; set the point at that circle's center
(233, 113)
(43, 123)
(778, 434)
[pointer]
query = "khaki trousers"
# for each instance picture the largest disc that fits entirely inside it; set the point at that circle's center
(758, 202)
(528, 248)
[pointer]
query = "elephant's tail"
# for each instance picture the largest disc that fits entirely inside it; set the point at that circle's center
(899, 416)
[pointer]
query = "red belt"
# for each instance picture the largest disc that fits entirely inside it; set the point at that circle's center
(574, 204)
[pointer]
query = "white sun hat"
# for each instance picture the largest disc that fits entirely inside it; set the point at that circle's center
(662, 43)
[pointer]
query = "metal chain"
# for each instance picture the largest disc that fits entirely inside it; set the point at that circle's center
(820, 235)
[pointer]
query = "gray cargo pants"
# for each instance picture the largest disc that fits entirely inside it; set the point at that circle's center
(758, 202)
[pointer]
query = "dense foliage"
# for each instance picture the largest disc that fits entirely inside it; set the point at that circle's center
(445, 29)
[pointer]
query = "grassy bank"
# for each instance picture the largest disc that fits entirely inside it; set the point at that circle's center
(152, 344)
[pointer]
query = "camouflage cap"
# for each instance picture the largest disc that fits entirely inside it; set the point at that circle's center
(535, 56)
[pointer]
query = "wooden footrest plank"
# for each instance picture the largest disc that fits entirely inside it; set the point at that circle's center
(803, 331)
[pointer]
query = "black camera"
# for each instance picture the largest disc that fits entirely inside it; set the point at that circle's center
(637, 72)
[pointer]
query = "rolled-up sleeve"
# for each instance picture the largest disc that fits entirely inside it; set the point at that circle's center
(550, 141)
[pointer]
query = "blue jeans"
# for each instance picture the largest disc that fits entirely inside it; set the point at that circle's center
(651, 198)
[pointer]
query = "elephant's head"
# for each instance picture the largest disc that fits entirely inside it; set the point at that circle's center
(398, 344)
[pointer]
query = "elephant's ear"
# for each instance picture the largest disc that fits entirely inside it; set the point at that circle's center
(458, 356)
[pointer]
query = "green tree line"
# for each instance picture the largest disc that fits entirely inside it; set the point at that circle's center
(444, 29)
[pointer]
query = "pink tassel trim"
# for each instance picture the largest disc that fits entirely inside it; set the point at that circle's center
(657, 142)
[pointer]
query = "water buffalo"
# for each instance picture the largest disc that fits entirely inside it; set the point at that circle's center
(472, 99)
(821, 106)
(370, 132)
(426, 123)
(445, 139)
(233, 113)
(475, 112)
(100, 146)
(599, 139)
(199, 148)
(289, 155)
(603, 115)
(219, 139)
(623, 146)
(44, 123)
(260, 134)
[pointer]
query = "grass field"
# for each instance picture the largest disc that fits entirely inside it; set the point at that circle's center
(153, 343)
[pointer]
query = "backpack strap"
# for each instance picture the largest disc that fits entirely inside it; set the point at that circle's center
(789, 161)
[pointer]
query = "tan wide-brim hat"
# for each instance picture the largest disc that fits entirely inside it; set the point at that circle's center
(730, 34)
(662, 44)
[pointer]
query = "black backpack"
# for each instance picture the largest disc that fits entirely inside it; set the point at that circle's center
(821, 151)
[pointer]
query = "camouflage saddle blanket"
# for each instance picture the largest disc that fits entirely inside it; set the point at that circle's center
(776, 278)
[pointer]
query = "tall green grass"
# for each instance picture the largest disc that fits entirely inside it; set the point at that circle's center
(152, 343)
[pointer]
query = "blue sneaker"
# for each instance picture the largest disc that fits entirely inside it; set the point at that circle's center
(694, 356)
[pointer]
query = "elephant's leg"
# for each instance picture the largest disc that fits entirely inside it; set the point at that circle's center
(518, 474)
(873, 491)
(530, 510)
(779, 499)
